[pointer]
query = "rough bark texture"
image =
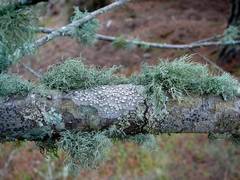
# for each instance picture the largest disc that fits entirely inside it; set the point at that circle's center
(100, 107)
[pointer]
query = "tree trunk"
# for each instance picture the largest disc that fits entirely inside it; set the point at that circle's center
(229, 56)
(41, 117)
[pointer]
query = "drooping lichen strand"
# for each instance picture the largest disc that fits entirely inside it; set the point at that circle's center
(13, 85)
(73, 74)
(86, 34)
(85, 149)
(16, 25)
(182, 77)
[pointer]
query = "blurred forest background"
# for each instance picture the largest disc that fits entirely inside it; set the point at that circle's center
(185, 156)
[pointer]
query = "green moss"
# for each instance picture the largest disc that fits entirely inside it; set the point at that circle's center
(73, 74)
(180, 78)
(86, 33)
(13, 85)
(16, 34)
(84, 149)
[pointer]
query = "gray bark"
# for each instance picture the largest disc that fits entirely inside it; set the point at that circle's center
(32, 117)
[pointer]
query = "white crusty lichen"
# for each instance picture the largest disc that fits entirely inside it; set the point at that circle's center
(110, 101)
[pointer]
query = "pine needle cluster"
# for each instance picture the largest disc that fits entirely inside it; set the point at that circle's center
(16, 33)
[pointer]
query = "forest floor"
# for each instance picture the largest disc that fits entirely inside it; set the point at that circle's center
(185, 156)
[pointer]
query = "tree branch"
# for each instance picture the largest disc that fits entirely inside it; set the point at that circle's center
(208, 42)
(68, 28)
(101, 107)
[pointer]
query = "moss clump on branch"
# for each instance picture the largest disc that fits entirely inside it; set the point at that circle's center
(16, 34)
(73, 74)
(13, 85)
(120, 42)
(85, 149)
(182, 77)
(86, 33)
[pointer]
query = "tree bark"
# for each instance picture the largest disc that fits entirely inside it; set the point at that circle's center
(230, 55)
(39, 117)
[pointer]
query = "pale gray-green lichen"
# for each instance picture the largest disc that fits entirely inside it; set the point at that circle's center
(110, 101)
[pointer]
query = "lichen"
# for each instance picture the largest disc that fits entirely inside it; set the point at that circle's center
(120, 42)
(11, 84)
(111, 102)
(231, 34)
(53, 119)
(85, 149)
(181, 77)
(73, 74)
(227, 127)
(86, 33)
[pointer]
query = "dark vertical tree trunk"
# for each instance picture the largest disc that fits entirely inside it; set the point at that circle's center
(229, 56)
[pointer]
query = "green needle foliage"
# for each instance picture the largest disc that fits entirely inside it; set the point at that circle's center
(13, 85)
(16, 34)
(86, 34)
(73, 74)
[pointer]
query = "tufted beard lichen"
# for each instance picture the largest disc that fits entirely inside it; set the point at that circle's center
(86, 34)
(85, 149)
(13, 85)
(73, 74)
(181, 77)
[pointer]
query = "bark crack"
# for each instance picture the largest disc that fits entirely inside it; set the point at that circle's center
(145, 113)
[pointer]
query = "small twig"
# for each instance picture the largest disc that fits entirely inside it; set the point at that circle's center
(213, 38)
(68, 28)
(35, 73)
(171, 46)
(209, 61)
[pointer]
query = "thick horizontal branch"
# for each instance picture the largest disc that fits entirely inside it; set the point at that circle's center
(38, 117)
(68, 28)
